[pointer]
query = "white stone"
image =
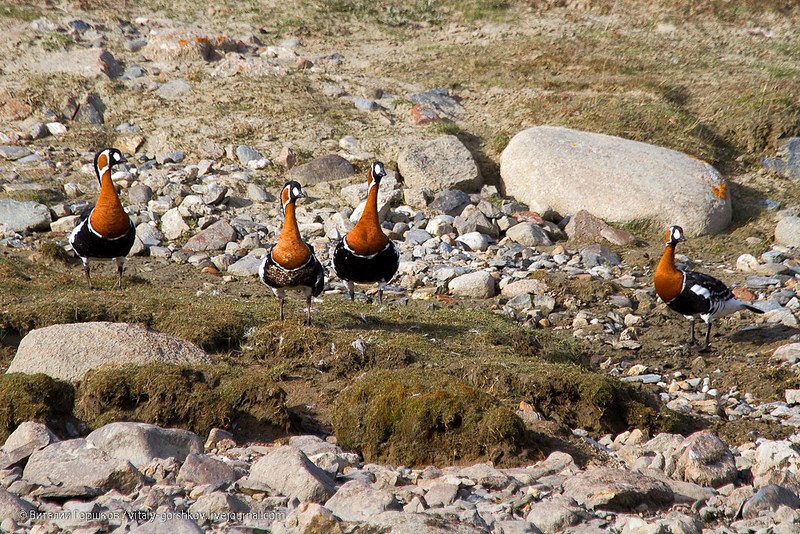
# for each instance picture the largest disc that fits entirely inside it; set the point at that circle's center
(173, 225)
(64, 224)
(746, 263)
(569, 170)
(475, 240)
(479, 285)
(528, 234)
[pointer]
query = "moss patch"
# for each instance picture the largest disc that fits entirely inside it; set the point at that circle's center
(33, 398)
(197, 398)
(417, 418)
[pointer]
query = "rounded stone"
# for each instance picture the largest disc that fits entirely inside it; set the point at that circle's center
(553, 168)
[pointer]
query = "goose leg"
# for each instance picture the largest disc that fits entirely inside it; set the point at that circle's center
(351, 289)
(308, 310)
(86, 271)
(704, 346)
(692, 340)
(381, 286)
(120, 263)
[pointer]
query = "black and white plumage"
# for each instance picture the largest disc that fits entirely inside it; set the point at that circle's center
(366, 255)
(104, 231)
(693, 294)
(291, 264)
(354, 268)
(309, 278)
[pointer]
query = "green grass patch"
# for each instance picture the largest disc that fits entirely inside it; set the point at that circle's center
(34, 398)
(197, 398)
(422, 417)
(22, 11)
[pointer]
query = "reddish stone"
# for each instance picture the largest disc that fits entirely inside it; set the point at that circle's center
(587, 228)
(303, 63)
(423, 115)
(529, 216)
(742, 293)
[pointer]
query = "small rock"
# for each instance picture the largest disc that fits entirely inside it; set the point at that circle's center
(245, 154)
(479, 285)
(174, 90)
(199, 469)
(215, 237)
(528, 235)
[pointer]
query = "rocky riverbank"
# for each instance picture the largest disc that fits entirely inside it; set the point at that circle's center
(131, 477)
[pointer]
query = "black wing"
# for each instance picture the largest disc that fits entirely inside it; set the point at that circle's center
(717, 291)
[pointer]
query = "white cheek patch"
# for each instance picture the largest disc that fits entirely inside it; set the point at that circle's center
(701, 291)
(296, 192)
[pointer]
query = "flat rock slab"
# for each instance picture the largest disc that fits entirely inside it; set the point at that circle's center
(141, 443)
(607, 488)
(327, 168)
(408, 523)
(14, 507)
(619, 180)
(21, 216)
(358, 500)
(77, 463)
(14, 153)
(88, 62)
(69, 351)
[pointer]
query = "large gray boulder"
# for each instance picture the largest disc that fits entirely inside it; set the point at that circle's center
(69, 351)
(28, 437)
(141, 443)
(76, 463)
(14, 507)
(291, 473)
(444, 163)
(619, 180)
(607, 488)
(22, 216)
(777, 462)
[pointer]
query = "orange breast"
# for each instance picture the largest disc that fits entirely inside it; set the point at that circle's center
(367, 236)
(667, 279)
(366, 239)
(291, 251)
(108, 217)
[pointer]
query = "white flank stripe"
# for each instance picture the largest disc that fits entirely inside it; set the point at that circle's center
(700, 290)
